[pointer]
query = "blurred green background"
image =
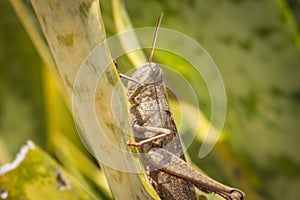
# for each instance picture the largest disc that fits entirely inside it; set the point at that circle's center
(255, 44)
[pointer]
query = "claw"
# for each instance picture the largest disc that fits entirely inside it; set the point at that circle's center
(236, 194)
(151, 180)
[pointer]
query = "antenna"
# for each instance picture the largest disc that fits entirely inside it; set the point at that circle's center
(155, 37)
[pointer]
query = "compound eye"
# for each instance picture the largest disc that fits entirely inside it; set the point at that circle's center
(154, 68)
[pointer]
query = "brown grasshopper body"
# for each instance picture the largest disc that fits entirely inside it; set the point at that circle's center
(158, 142)
(150, 110)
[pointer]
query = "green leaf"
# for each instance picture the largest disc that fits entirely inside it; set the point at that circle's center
(71, 38)
(34, 175)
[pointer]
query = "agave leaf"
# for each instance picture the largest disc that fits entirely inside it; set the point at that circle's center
(30, 22)
(72, 30)
(34, 174)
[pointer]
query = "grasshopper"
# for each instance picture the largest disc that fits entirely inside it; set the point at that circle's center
(157, 138)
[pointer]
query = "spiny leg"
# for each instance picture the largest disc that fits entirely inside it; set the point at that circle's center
(151, 180)
(163, 132)
(123, 76)
(172, 164)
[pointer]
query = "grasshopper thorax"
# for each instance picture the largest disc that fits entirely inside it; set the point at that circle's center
(148, 74)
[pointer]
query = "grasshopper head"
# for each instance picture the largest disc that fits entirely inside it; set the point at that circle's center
(147, 74)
